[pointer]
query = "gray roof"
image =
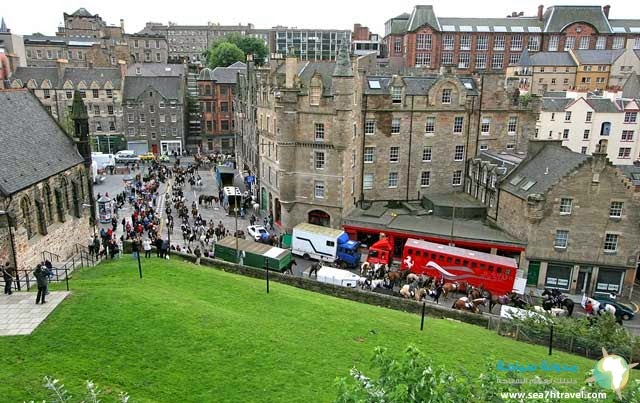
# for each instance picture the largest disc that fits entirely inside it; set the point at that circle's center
(3, 26)
(555, 104)
(82, 12)
(422, 15)
(238, 65)
(398, 27)
(625, 26)
(598, 56)
(602, 105)
(414, 85)
(227, 75)
(506, 160)
(75, 74)
(306, 70)
(25, 127)
(556, 18)
(205, 75)
(521, 24)
(168, 87)
(632, 172)
(378, 216)
(155, 70)
(552, 59)
(540, 172)
(631, 88)
(343, 62)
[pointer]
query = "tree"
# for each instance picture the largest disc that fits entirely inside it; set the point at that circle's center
(247, 44)
(224, 54)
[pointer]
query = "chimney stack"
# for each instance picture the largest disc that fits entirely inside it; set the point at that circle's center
(122, 25)
(290, 68)
(606, 9)
(61, 65)
(123, 68)
(540, 11)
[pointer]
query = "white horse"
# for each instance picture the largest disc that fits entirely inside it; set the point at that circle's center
(598, 307)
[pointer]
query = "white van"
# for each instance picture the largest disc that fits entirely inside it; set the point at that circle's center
(103, 160)
(127, 156)
(331, 275)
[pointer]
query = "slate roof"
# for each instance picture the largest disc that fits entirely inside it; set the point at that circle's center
(602, 105)
(528, 24)
(3, 26)
(556, 18)
(632, 172)
(75, 74)
(508, 161)
(168, 87)
(552, 59)
(398, 27)
(156, 70)
(555, 104)
(205, 75)
(25, 127)
(625, 26)
(227, 75)
(82, 12)
(414, 85)
(422, 15)
(306, 70)
(555, 94)
(598, 56)
(544, 169)
(631, 88)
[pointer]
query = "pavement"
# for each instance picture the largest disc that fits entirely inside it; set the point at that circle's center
(21, 315)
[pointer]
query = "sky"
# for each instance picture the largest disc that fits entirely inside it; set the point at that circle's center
(336, 14)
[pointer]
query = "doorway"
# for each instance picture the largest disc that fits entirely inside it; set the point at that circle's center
(584, 280)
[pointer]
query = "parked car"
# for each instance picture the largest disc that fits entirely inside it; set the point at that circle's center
(163, 158)
(147, 157)
(623, 311)
(127, 156)
(257, 231)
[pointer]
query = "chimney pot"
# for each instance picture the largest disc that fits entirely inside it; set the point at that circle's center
(540, 11)
(606, 9)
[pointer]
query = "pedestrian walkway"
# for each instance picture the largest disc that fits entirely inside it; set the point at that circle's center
(21, 315)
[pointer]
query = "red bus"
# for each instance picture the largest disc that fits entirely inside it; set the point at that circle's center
(494, 273)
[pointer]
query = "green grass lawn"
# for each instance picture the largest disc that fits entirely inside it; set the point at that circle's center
(193, 334)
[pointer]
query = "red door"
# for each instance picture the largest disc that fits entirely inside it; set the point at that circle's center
(154, 149)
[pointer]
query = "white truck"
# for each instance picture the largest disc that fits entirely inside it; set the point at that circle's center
(103, 160)
(324, 244)
(331, 275)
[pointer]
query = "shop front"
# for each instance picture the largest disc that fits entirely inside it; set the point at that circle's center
(558, 275)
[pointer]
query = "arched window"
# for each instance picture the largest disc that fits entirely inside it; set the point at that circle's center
(41, 217)
(25, 207)
(75, 193)
(48, 205)
(64, 188)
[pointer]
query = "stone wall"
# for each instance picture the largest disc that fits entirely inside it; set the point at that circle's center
(352, 294)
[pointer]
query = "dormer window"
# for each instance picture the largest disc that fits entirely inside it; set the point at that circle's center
(396, 95)
(314, 96)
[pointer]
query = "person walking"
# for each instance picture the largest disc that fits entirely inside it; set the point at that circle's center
(42, 279)
(146, 245)
(198, 254)
(8, 274)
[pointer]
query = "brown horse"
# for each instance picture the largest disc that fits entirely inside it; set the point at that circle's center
(397, 277)
(460, 287)
(413, 293)
(465, 304)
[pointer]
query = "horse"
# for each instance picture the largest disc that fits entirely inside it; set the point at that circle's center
(396, 277)
(464, 304)
(412, 278)
(556, 298)
(435, 293)
(409, 292)
(425, 281)
(314, 269)
(364, 269)
(505, 299)
(453, 287)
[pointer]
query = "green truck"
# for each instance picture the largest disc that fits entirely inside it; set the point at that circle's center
(255, 254)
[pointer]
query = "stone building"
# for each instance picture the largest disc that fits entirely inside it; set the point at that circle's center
(306, 127)
(216, 93)
(100, 88)
(594, 67)
(422, 39)
(582, 120)
(544, 72)
(154, 113)
(189, 42)
(420, 131)
(148, 47)
(246, 114)
(43, 190)
(364, 42)
(579, 216)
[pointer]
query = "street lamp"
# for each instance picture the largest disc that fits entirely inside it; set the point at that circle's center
(13, 246)
(235, 234)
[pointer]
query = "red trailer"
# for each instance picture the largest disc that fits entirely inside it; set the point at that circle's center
(494, 273)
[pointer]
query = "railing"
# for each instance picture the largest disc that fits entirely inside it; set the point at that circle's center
(50, 256)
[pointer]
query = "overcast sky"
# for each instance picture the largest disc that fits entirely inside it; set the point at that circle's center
(29, 16)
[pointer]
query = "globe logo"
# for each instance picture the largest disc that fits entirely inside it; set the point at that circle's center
(611, 372)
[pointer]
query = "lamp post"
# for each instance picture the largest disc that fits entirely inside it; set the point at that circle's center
(13, 246)
(235, 234)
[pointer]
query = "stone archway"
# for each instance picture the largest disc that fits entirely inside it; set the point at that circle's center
(319, 217)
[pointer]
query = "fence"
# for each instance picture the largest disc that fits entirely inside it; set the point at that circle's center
(590, 348)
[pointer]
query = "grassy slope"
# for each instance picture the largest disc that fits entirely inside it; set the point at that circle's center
(187, 333)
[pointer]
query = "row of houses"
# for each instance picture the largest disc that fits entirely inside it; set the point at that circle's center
(450, 158)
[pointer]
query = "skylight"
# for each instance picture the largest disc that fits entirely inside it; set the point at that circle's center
(517, 179)
(534, 29)
(499, 28)
(635, 30)
(374, 84)
(466, 28)
(619, 29)
(468, 85)
(517, 29)
(449, 28)
(528, 185)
